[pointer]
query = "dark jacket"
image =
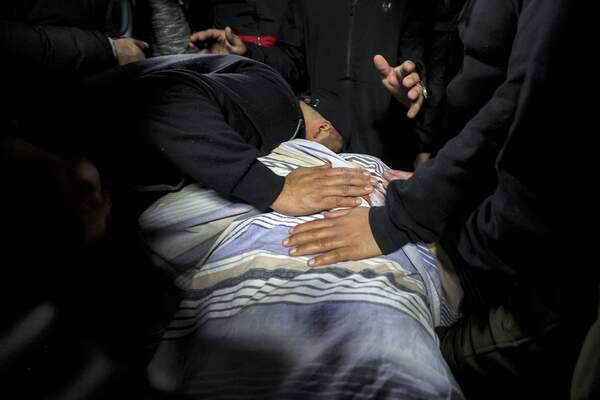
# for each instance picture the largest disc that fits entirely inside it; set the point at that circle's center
(63, 37)
(47, 47)
(493, 194)
(204, 117)
(443, 55)
(172, 22)
(250, 17)
(331, 45)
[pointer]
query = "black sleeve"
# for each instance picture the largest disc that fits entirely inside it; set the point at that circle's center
(452, 182)
(412, 40)
(287, 56)
(443, 53)
(412, 47)
(191, 133)
(54, 49)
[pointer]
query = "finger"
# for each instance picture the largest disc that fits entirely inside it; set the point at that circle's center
(361, 181)
(341, 191)
(330, 257)
(387, 182)
(336, 214)
(325, 202)
(349, 172)
(323, 237)
(382, 66)
(303, 237)
(141, 44)
(228, 48)
(315, 245)
(407, 68)
(199, 36)
(230, 36)
(214, 34)
(342, 202)
(393, 174)
(415, 108)
(307, 226)
(415, 92)
(411, 80)
(206, 35)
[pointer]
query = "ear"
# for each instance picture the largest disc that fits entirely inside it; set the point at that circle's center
(325, 129)
(312, 132)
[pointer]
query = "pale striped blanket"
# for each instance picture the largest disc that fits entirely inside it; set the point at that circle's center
(256, 323)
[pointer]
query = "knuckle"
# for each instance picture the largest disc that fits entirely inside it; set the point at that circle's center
(322, 243)
(337, 255)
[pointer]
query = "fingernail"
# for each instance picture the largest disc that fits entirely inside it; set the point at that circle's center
(293, 251)
(286, 242)
(291, 230)
(311, 262)
(366, 173)
(368, 188)
(373, 181)
(357, 201)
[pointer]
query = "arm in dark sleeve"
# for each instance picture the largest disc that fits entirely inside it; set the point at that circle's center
(438, 72)
(191, 133)
(451, 183)
(412, 40)
(412, 47)
(55, 49)
(287, 56)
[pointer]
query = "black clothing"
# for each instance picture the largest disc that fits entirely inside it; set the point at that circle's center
(483, 100)
(249, 17)
(62, 37)
(331, 45)
(495, 195)
(443, 55)
(206, 117)
(47, 47)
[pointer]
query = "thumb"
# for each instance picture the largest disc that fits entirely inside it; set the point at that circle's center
(382, 66)
(142, 45)
(230, 36)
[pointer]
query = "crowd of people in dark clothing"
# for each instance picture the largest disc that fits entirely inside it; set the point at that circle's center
(109, 104)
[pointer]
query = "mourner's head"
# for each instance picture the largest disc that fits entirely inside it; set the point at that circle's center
(325, 119)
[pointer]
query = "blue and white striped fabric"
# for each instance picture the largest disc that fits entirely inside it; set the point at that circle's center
(257, 323)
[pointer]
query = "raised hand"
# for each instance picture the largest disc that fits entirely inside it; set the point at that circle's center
(403, 82)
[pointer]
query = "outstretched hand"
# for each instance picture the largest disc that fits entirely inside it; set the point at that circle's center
(308, 190)
(403, 82)
(341, 236)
